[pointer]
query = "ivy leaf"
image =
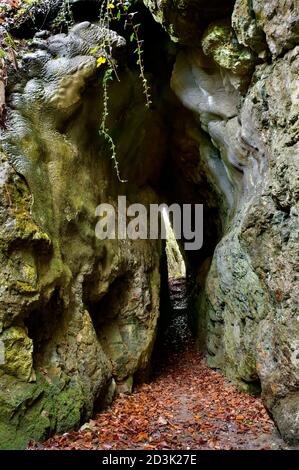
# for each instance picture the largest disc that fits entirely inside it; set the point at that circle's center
(94, 50)
(11, 41)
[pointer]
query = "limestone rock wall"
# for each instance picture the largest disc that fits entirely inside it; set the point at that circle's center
(240, 79)
(77, 315)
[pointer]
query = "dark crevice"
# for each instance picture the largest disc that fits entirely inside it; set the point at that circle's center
(105, 310)
(174, 333)
(42, 324)
(253, 387)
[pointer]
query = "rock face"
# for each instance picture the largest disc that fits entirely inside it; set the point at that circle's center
(76, 314)
(279, 21)
(248, 307)
(185, 20)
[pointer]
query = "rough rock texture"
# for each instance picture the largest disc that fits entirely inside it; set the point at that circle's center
(272, 23)
(246, 27)
(220, 43)
(248, 305)
(279, 20)
(185, 20)
(75, 312)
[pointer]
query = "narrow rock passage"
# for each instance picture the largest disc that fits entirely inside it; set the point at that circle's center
(186, 406)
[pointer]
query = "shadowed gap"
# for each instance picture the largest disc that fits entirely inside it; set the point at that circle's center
(174, 333)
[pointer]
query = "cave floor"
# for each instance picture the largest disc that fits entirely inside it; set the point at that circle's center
(186, 406)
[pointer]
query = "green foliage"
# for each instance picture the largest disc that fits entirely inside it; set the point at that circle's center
(139, 51)
(104, 130)
(122, 11)
(7, 55)
(110, 10)
(12, 11)
(7, 44)
(64, 19)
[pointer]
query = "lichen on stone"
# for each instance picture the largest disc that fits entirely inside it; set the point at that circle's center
(220, 43)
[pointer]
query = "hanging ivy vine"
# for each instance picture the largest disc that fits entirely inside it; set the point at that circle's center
(120, 11)
(13, 11)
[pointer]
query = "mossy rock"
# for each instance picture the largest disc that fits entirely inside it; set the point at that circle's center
(220, 43)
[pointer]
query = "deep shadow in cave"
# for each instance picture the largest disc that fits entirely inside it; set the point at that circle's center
(44, 324)
(174, 333)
